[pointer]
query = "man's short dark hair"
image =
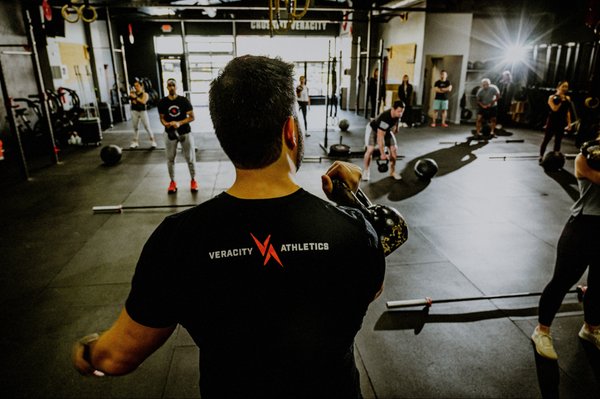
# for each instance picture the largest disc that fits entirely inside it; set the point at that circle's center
(398, 104)
(249, 103)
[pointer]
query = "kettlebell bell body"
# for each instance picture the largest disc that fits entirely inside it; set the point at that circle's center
(383, 165)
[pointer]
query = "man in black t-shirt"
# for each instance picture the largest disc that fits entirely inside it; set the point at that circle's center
(176, 114)
(271, 282)
(440, 103)
(382, 135)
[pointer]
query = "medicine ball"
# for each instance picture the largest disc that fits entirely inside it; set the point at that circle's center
(426, 168)
(553, 161)
(591, 152)
(111, 154)
(344, 125)
(556, 100)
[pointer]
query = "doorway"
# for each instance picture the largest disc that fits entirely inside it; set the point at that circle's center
(170, 68)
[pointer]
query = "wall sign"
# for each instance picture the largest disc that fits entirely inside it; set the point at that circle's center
(296, 25)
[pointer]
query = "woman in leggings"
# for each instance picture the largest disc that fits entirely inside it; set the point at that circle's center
(559, 118)
(576, 252)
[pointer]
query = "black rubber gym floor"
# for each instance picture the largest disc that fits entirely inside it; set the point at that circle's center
(486, 224)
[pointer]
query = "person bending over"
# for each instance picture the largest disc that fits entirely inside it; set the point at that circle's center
(271, 282)
(382, 135)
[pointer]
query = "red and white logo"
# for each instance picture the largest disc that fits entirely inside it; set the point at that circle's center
(266, 249)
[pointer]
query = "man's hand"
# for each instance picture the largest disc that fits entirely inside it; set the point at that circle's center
(80, 356)
(346, 172)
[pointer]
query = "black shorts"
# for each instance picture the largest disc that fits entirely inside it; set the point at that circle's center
(488, 113)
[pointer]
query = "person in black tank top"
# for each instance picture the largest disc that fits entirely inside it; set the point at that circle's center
(139, 105)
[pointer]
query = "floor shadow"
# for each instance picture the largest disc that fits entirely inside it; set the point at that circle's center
(593, 356)
(567, 181)
(448, 160)
(548, 375)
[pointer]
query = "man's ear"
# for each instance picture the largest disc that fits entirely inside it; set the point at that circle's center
(289, 134)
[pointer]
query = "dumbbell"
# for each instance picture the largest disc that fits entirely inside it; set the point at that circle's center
(387, 221)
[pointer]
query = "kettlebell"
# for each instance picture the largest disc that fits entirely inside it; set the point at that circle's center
(382, 165)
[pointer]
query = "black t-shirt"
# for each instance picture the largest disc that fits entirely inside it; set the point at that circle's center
(272, 291)
(176, 110)
(442, 84)
(385, 122)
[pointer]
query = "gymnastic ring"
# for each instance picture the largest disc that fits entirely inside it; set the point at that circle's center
(592, 102)
(92, 9)
(67, 10)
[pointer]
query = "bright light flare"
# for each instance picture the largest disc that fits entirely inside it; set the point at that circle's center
(515, 54)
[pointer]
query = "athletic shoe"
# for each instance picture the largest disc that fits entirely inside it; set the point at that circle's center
(396, 176)
(593, 337)
(543, 344)
(153, 144)
(366, 175)
(172, 187)
(432, 125)
(194, 186)
(134, 144)
(444, 125)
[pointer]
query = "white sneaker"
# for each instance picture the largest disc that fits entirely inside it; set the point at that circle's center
(153, 144)
(396, 176)
(134, 144)
(543, 344)
(366, 175)
(592, 337)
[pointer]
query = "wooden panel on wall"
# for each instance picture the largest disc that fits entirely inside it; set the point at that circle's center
(76, 58)
(401, 62)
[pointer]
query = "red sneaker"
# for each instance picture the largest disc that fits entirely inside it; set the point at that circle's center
(432, 125)
(172, 187)
(444, 125)
(194, 186)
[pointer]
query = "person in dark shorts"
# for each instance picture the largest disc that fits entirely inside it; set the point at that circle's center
(271, 282)
(487, 104)
(382, 136)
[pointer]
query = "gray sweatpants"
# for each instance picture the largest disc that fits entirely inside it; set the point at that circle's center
(136, 117)
(187, 148)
